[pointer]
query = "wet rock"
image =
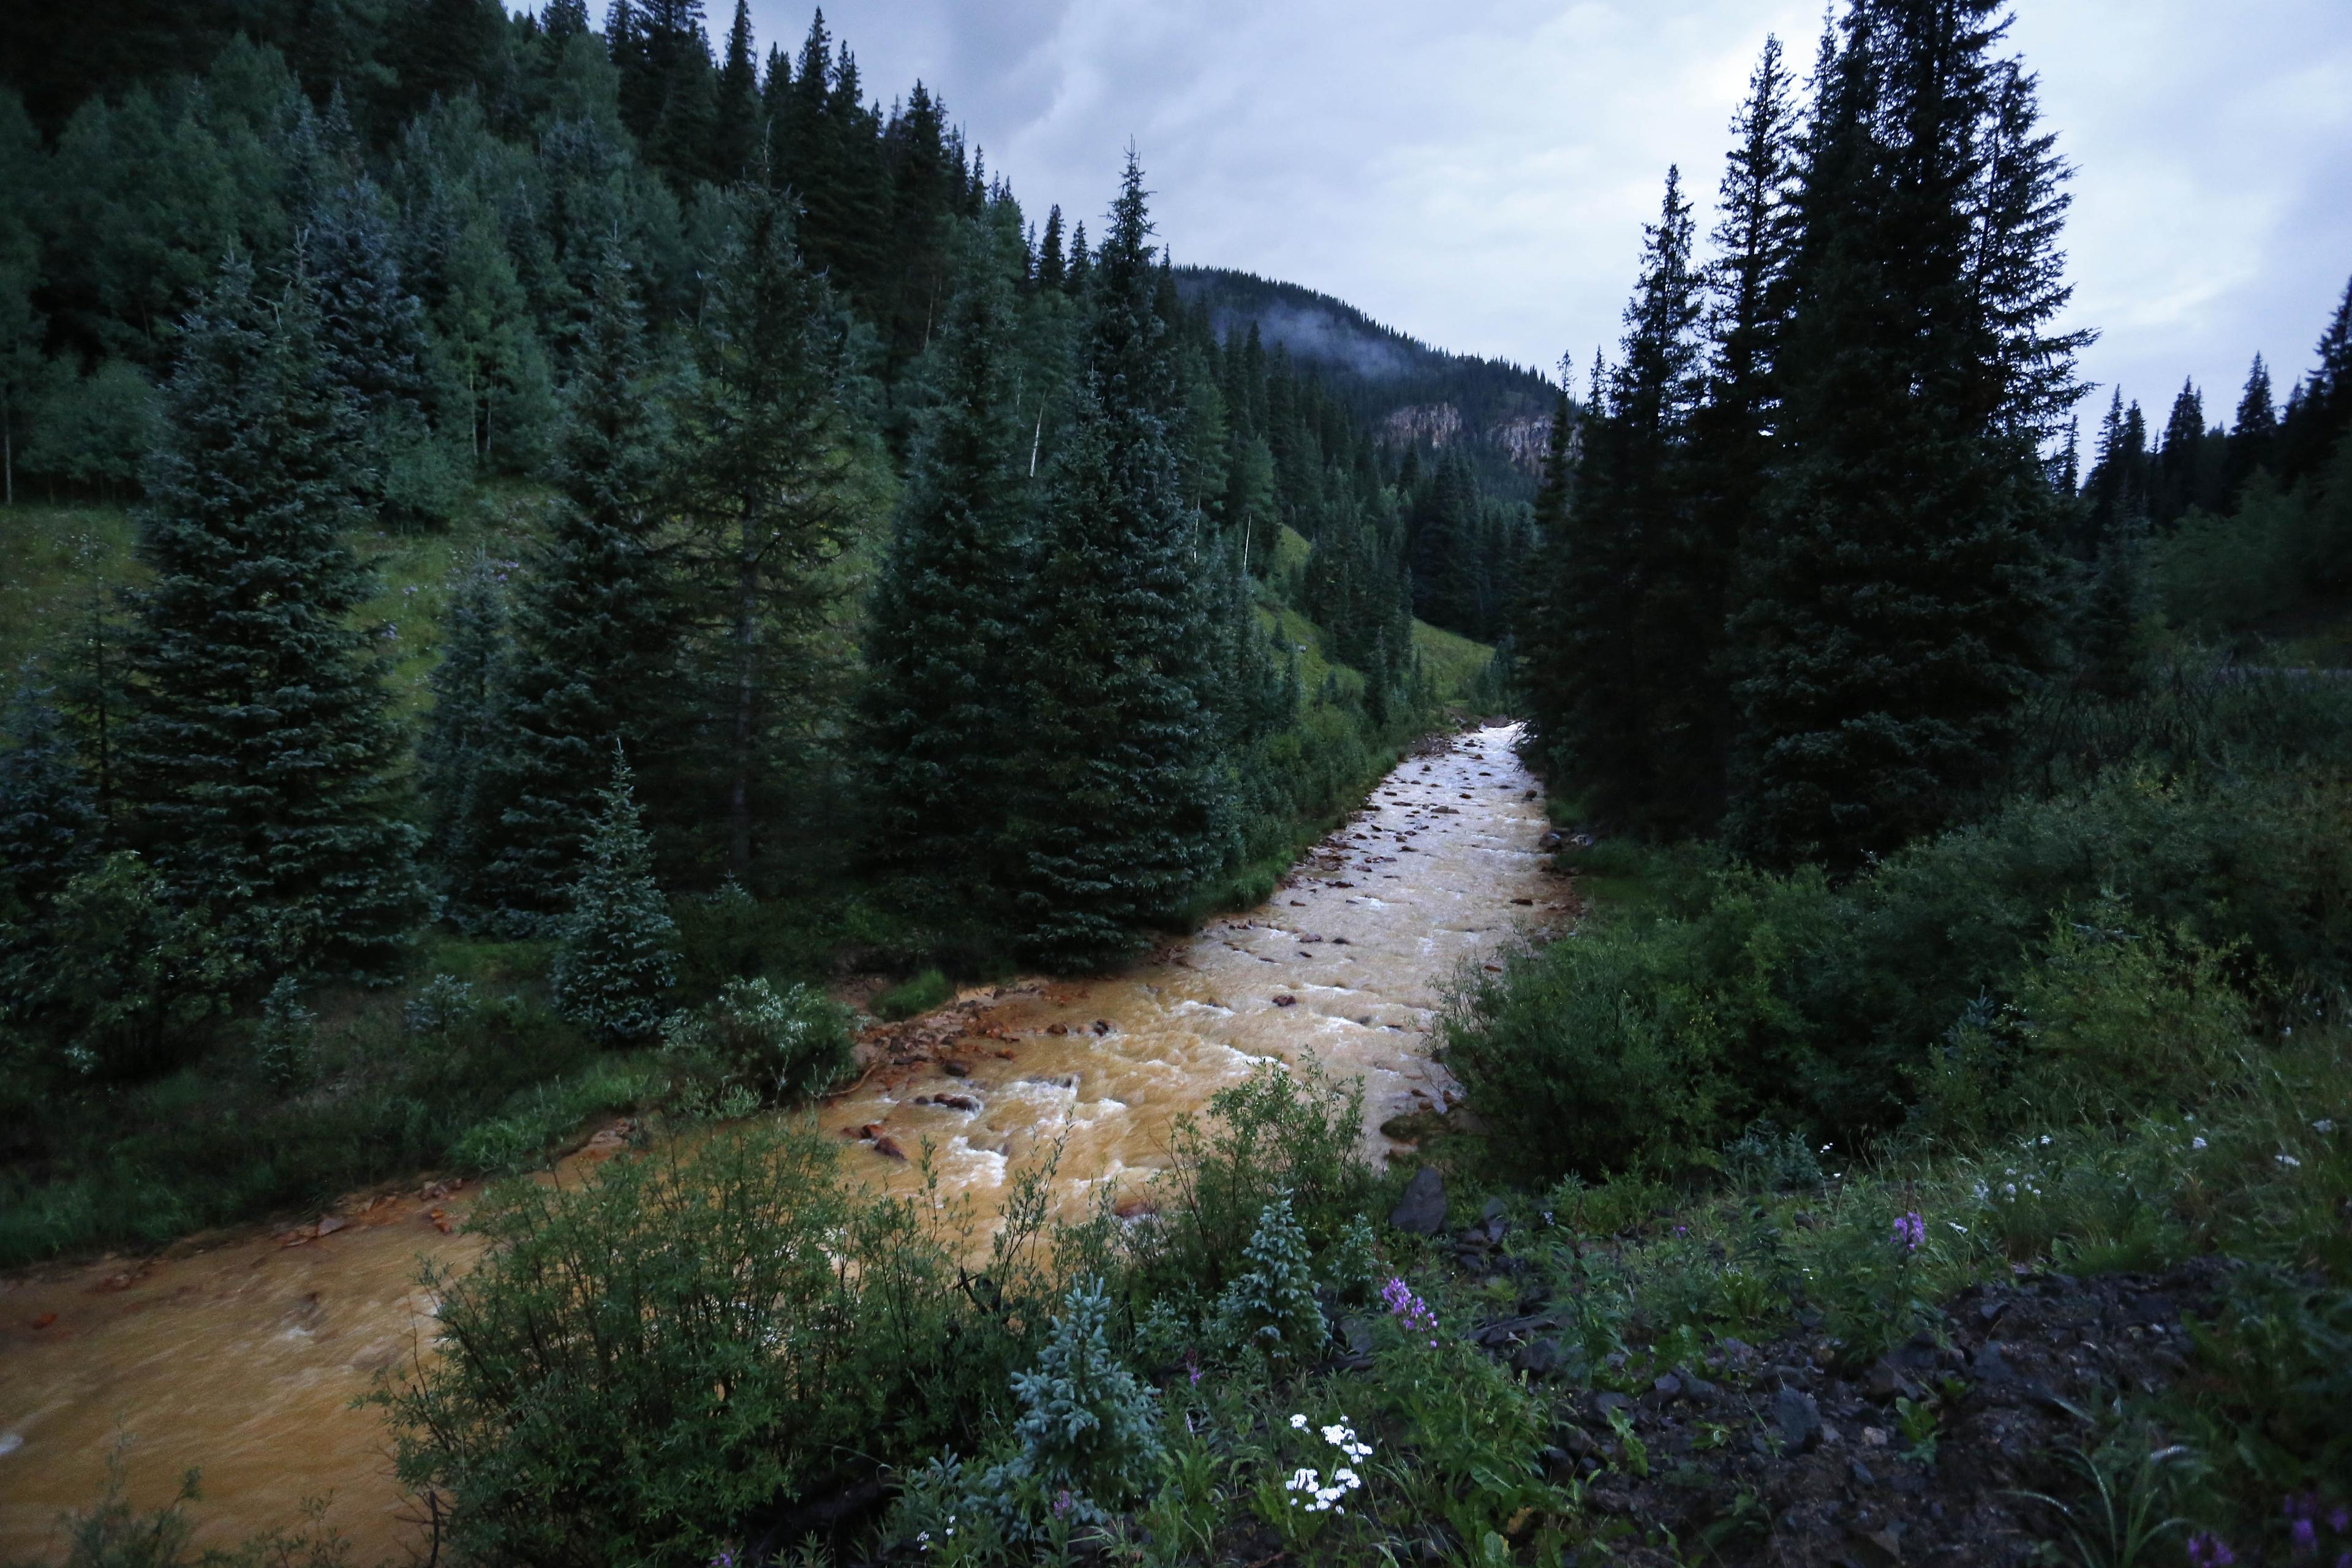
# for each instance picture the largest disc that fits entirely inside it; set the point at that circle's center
(45, 1320)
(955, 1070)
(1102, 1025)
(1286, 1000)
(1539, 1358)
(888, 1147)
(956, 1102)
(1799, 1417)
(1057, 1028)
(331, 1224)
(1422, 1211)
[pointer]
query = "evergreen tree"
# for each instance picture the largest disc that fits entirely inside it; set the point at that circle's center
(1628, 582)
(49, 824)
(2114, 641)
(1271, 1304)
(1050, 267)
(1087, 1428)
(1122, 816)
(598, 625)
(755, 483)
(2256, 429)
(940, 651)
(618, 956)
(1898, 605)
(376, 347)
(466, 742)
(736, 131)
(261, 760)
(2324, 412)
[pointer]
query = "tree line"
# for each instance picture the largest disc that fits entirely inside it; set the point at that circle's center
(723, 321)
(1824, 536)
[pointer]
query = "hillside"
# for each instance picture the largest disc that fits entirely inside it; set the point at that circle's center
(1406, 389)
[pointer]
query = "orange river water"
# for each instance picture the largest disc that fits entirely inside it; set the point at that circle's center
(242, 1354)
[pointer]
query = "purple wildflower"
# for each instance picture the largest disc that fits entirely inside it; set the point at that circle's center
(2306, 1536)
(2210, 1551)
(1408, 1309)
(2341, 1521)
(1910, 1230)
(1061, 1503)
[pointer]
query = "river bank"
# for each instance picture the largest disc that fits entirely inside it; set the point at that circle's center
(241, 1353)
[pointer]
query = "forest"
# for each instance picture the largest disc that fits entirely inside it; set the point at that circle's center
(582, 595)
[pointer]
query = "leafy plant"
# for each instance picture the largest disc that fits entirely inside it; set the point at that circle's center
(751, 1037)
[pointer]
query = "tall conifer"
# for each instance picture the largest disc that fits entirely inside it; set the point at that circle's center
(1899, 605)
(938, 707)
(261, 760)
(598, 623)
(1123, 806)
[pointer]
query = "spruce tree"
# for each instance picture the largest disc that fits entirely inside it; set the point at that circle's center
(466, 742)
(598, 628)
(1626, 582)
(50, 823)
(2255, 430)
(1122, 810)
(938, 705)
(261, 760)
(755, 483)
(1898, 607)
(374, 343)
(618, 956)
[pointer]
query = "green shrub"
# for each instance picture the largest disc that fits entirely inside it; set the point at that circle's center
(1270, 1307)
(1278, 1134)
(697, 1337)
(924, 991)
(1088, 1433)
(752, 1037)
(286, 1038)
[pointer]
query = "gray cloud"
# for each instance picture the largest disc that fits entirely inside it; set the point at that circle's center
(1476, 176)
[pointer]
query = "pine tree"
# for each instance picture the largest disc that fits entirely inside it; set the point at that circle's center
(1626, 580)
(619, 952)
(261, 760)
(598, 627)
(1087, 1428)
(755, 483)
(1271, 1305)
(2114, 642)
(1122, 811)
(940, 650)
(50, 823)
(736, 130)
(1050, 267)
(2255, 432)
(376, 347)
(466, 742)
(1898, 605)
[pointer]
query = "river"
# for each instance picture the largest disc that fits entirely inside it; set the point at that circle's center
(243, 1354)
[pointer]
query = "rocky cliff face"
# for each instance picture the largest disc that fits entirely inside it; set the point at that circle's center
(1523, 439)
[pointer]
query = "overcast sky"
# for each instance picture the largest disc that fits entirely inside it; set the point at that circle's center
(1476, 173)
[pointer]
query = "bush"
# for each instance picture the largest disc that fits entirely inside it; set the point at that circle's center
(1270, 1307)
(1088, 1432)
(125, 983)
(1277, 1135)
(924, 991)
(700, 1337)
(753, 1038)
(286, 1040)
(1649, 1038)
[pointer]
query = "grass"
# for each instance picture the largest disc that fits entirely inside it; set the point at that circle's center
(55, 559)
(922, 994)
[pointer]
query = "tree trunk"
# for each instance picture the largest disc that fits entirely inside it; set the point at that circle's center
(747, 650)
